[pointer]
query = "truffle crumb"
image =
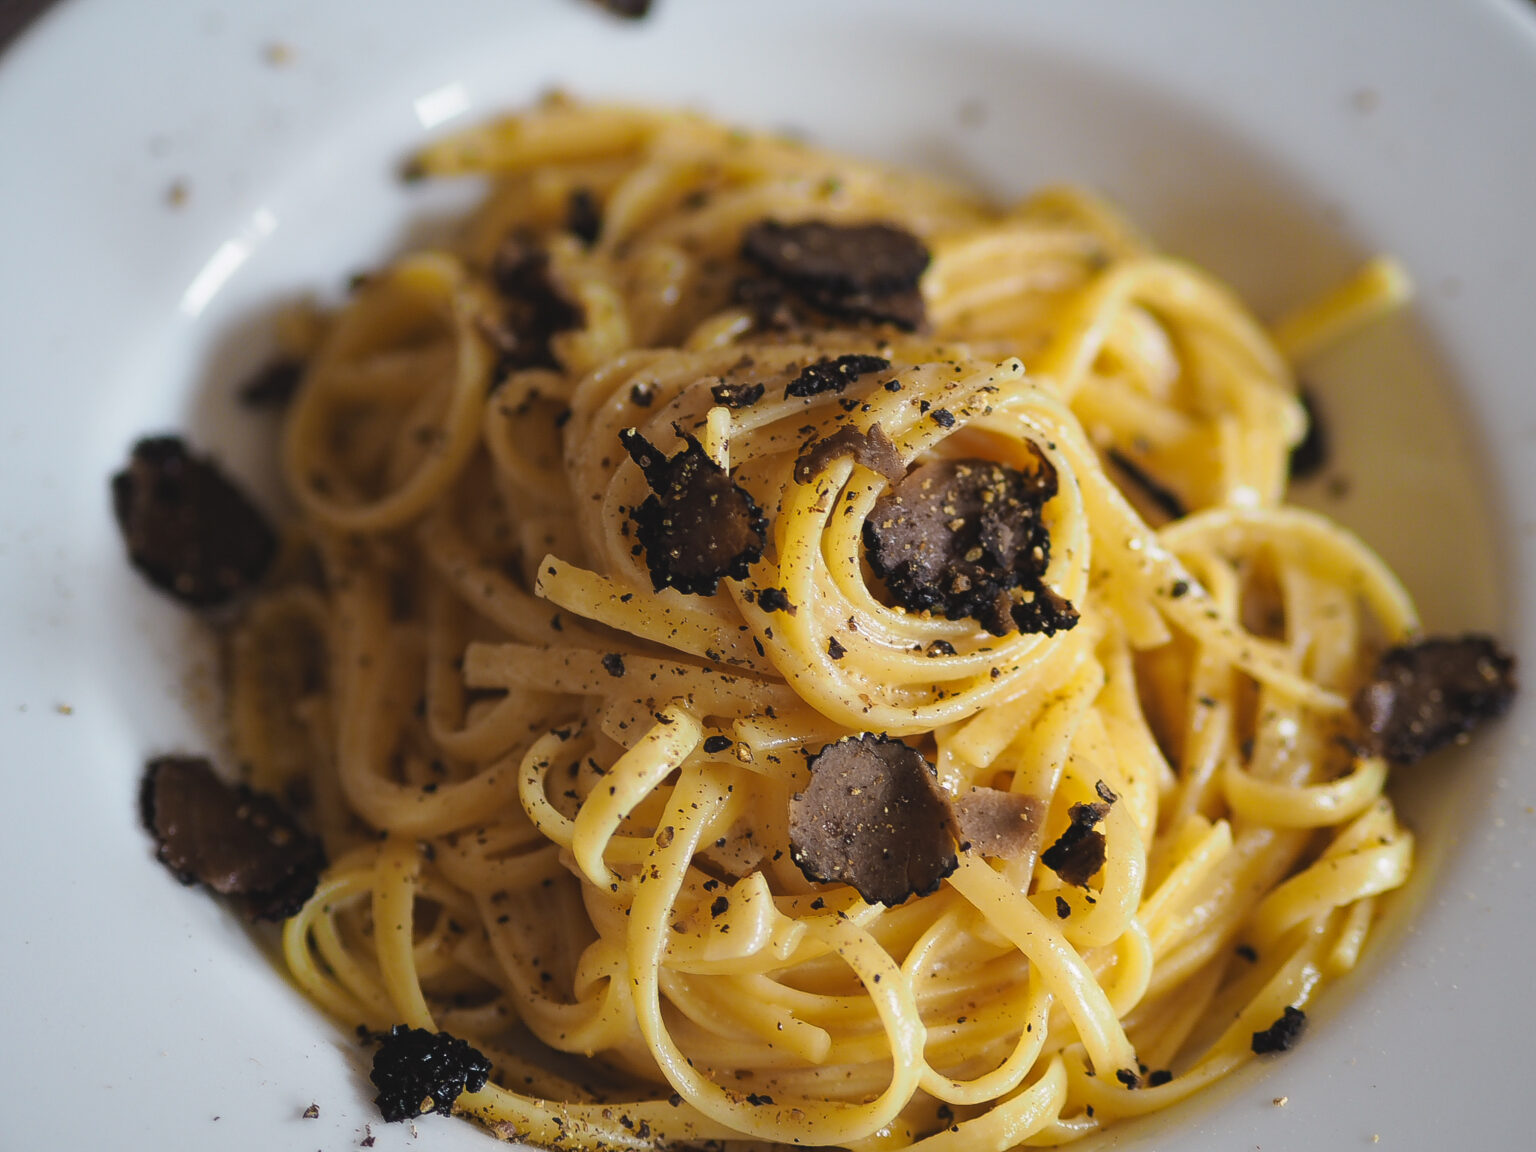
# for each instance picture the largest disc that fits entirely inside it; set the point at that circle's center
(417, 1071)
(1432, 693)
(829, 375)
(698, 528)
(1281, 1036)
(873, 817)
(729, 395)
(776, 600)
(1079, 851)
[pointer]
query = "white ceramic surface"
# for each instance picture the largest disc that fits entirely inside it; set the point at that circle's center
(1275, 142)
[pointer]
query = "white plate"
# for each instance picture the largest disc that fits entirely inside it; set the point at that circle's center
(1276, 143)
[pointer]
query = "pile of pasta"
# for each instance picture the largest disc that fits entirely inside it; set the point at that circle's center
(555, 794)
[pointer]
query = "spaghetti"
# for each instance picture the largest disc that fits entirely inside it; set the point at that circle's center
(555, 786)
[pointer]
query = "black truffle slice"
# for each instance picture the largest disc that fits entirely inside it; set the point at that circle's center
(1282, 1035)
(966, 538)
(873, 817)
(417, 1072)
(1079, 851)
(997, 823)
(189, 531)
(851, 272)
(1431, 693)
(873, 449)
(237, 842)
(829, 375)
(533, 308)
(698, 528)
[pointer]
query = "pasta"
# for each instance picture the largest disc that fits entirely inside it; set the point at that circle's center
(555, 778)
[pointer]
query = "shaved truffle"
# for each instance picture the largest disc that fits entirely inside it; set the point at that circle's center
(189, 531)
(997, 823)
(1079, 851)
(851, 272)
(1429, 694)
(828, 375)
(873, 817)
(1282, 1035)
(698, 528)
(417, 1072)
(533, 308)
(966, 538)
(873, 449)
(235, 841)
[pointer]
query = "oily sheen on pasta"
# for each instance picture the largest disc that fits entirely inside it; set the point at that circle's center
(554, 755)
